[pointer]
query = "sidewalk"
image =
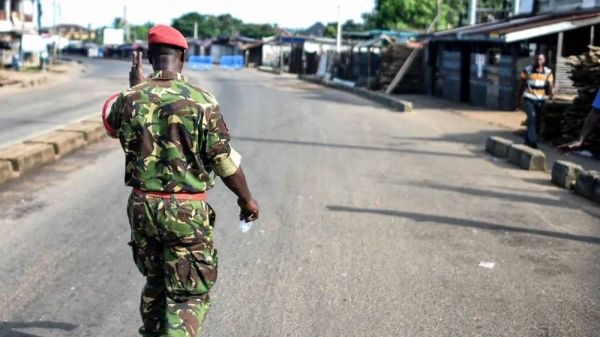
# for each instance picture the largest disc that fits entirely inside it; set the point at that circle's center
(13, 82)
(507, 124)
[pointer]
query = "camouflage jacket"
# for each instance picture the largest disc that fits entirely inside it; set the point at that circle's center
(173, 136)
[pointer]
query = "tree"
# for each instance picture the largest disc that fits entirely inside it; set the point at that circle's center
(118, 23)
(257, 31)
(402, 14)
(220, 25)
(347, 27)
(185, 23)
(418, 14)
(140, 32)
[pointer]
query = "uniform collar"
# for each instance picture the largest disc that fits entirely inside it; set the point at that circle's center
(167, 75)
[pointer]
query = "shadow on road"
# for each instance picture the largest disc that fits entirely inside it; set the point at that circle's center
(444, 220)
(519, 198)
(7, 328)
(355, 147)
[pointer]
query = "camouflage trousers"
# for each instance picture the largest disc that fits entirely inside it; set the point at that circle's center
(172, 247)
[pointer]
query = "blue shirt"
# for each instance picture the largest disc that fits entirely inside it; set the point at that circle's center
(596, 104)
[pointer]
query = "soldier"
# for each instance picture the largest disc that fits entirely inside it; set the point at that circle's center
(174, 139)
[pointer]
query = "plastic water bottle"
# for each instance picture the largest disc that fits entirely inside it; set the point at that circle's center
(245, 227)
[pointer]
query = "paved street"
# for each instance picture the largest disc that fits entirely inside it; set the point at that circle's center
(32, 112)
(374, 223)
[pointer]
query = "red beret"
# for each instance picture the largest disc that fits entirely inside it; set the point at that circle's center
(162, 34)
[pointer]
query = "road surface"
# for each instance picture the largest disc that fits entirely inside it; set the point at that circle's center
(374, 223)
(30, 112)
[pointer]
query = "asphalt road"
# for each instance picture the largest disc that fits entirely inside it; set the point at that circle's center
(374, 223)
(31, 112)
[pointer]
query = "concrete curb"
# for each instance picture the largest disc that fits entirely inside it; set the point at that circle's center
(6, 171)
(91, 129)
(26, 157)
(270, 70)
(20, 158)
(498, 146)
(588, 185)
(527, 158)
(63, 142)
(565, 174)
(379, 97)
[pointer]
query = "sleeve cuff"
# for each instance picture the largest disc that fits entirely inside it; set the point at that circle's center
(228, 166)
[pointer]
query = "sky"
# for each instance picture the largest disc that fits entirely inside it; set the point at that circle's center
(286, 13)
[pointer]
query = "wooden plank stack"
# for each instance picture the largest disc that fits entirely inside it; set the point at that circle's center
(585, 74)
(392, 60)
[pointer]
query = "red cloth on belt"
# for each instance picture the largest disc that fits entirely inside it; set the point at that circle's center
(178, 196)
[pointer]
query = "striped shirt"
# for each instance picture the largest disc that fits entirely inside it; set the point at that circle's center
(537, 81)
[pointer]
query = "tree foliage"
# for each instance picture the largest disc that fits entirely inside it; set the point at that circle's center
(347, 27)
(419, 14)
(220, 25)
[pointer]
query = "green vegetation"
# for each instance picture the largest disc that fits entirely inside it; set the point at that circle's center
(418, 14)
(387, 14)
(348, 27)
(221, 25)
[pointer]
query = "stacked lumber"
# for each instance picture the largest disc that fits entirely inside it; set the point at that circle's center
(392, 60)
(585, 74)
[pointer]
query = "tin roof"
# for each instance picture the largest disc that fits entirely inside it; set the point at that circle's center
(519, 28)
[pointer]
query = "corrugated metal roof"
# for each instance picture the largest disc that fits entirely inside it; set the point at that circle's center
(519, 28)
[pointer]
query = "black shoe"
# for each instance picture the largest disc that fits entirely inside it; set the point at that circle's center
(532, 145)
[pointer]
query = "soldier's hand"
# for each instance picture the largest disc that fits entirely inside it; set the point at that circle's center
(136, 75)
(249, 210)
(570, 147)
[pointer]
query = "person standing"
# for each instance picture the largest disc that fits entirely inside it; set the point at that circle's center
(536, 81)
(175, 141)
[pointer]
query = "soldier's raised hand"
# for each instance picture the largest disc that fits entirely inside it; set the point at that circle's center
(136, 75)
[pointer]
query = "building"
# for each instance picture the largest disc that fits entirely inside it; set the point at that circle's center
(17, 17)
(73, 32)
(480, 64)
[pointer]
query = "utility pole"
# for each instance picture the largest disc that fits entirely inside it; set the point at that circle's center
(125, 22)
(196, 30)
(472, 12)
(339, 29)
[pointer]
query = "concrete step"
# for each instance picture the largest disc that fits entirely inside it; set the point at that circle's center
(92, 131)
(26, 157)
(64, 142)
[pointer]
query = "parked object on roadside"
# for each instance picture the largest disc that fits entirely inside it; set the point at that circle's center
(231, 62)
(564, 174)
(200, 62)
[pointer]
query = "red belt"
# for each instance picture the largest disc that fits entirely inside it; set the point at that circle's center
(178, 196)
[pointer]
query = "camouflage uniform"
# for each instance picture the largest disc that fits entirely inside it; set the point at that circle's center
(174, 140)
